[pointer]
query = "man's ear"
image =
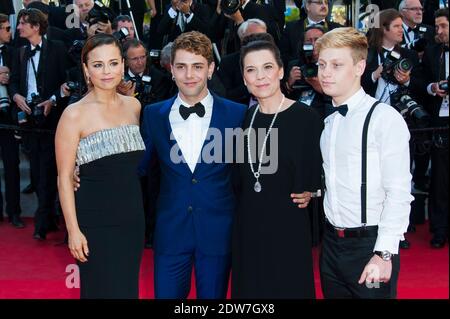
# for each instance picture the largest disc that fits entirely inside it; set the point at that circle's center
(211, 69)
(360, 67)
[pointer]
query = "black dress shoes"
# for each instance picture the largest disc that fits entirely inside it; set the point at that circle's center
(405, 244)
(39, 236)
(17, 222)
(438, 242)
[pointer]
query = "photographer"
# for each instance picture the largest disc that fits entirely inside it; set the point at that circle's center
(436, 61)
(416, 35)
(302, 83)
(38, 73)
(229, 71)
(124, 21)
(142, 79)
(317, 12)
(183, 16)
(9, 147)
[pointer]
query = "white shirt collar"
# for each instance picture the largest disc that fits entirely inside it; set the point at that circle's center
(33, 47)
(207, 101)
(405, 27)
(134, 75)
(314, 22)
(355, 100)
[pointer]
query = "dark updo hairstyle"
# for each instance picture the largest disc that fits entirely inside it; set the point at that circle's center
(259, 45)
(96, 41)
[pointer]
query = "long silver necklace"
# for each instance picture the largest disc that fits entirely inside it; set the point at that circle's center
(257, 187)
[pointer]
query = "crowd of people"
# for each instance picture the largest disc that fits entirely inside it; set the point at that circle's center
(121, 98)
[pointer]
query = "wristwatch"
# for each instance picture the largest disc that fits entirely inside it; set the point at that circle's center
(385, 255)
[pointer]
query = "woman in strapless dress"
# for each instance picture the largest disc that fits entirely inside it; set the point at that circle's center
(99, 135)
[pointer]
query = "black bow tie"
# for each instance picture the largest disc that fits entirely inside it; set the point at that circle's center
(33, 52)
(198, 108)
(343, 109)
(411, 30)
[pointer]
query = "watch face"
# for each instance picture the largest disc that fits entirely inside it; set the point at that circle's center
(386, 255)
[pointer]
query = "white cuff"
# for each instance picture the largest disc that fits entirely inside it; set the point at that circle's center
(388, 242)
(429, 89)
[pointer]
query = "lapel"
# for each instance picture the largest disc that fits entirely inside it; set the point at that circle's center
(217, 122)
(24, 67)
(42, 63)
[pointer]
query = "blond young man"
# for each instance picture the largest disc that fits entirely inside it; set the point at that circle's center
(363, 225)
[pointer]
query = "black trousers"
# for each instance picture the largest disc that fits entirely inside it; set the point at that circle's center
(10, 156)
(43, 166)
(439, 184)
(342, 262)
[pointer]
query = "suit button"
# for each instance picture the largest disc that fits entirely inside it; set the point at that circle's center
(194, 181)
(190, 209)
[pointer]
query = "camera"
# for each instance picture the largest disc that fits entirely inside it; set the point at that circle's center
(392, 63)
(143, 87)
(155, 57)
(74, 86)
(122, 34)
(4, 99)
(310, 68)
(230, 7)
(411, 111)
(37, 112)
(99, 13)
(444, 86)
(420, 43)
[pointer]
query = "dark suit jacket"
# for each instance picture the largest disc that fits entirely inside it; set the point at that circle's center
(230, 73)
(7, 54)
(429, 34)
(432, 59)
(6, 7)
(267, 14)
(168, 27)
(293, 34)
(372, 65)
(51, 74)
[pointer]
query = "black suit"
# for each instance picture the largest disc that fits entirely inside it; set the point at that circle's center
(230, 73)
(51, 73)
(433, 62)
(169, 29)
(293, 35)
(6, 7)
(266, 13)
(10, 152)
(429, 34)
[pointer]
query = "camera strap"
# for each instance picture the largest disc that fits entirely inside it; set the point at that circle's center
(364, 165)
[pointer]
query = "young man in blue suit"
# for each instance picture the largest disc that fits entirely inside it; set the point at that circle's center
(196, 201)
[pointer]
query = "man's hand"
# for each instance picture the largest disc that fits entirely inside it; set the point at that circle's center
(376, 270)
(435, 89)
(4, 75)
(65, 89)
(126, 88)
(47, 106)
(402, 77)
(294, 75)
(301, 199)
(236, 17)
(21, 103)
(377, 73)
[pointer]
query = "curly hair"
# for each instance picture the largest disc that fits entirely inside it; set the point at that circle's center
(194, 42)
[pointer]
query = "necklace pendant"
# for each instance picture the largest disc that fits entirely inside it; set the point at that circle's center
(257, 187)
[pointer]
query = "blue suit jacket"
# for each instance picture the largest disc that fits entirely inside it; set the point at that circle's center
(194, 210)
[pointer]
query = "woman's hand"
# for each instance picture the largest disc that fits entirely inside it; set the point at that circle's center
(78, 246)
(301, 199)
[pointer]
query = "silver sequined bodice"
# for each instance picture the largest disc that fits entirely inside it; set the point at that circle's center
(116, 140)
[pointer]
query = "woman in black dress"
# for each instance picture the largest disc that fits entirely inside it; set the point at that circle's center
(272, 255)
(100, 135)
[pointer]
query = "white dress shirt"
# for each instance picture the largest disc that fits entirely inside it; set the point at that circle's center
(1, 57)
(388, 174)
(408, 36)
(182, 20)
(32, 84)
(190, 134)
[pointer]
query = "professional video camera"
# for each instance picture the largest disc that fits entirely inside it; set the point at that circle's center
(394, 62)
(36, 117)
(100, 13)
(230, 7)
(420, 43)
(413, 113)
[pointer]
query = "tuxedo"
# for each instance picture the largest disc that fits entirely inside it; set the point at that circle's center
(9, 148)
(50, 75)
(195, 207)
(6, 7)
(293, 35)
(409, 35)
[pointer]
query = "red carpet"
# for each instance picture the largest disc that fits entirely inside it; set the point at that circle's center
(30, 269)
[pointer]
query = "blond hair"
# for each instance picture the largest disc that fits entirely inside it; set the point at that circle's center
(345, 38)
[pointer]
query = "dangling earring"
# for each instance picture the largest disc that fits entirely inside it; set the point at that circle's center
(88, 81)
